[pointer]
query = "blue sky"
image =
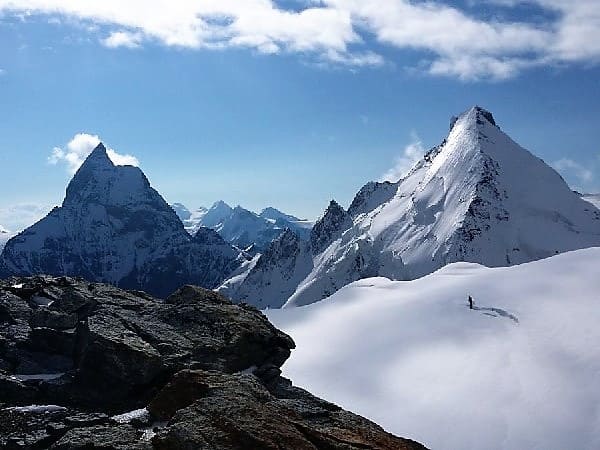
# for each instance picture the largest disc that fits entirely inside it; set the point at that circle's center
(287, 104)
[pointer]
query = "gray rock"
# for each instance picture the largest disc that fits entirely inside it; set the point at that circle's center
(206, 369)
(120, 437)
(237, 412)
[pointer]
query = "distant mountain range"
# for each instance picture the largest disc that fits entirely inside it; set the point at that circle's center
(114, 227)
(241, 227)
(477, 197)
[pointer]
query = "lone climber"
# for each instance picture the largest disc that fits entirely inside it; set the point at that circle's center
(470, 302)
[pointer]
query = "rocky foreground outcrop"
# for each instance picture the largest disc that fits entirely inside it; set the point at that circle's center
(86, 365)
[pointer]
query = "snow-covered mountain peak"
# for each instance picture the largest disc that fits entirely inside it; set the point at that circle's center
(480, 115)
(477, 197)
(476, 116)
(114, 227)
(100, 181)
(216, 214)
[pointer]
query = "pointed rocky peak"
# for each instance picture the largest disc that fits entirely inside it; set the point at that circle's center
(474, 117)
(209, 236)
(334, 209)
(216, 214)
(220, 205)
(484, 114)
(92, 177)
(98, 158)
(329, 227)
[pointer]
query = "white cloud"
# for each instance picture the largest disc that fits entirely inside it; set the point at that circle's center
(123, 39)
(451, 40)
(582, 176)
(411, 154)
(20, 216)
(78, 149)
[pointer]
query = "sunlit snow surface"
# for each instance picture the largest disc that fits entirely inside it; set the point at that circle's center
(520, 372)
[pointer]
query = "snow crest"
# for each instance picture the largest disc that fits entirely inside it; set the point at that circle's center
(477, 197)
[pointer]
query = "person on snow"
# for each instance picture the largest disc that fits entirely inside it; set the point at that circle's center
(470, 302)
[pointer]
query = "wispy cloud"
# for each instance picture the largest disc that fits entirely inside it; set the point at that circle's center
(17, 217)
(582, 176)
(411, 154)
(452, 40)
(78, 149)
(123, 39)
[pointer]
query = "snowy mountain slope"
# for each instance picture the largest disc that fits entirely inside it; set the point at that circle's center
(594, 199)
(478, 197)
(274, 275)
(235, 279)
(216, 214)
(114, 227)
(287, 262)
(520, 371)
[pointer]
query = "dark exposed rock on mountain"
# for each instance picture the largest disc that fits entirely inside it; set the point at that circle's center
(255, 416)
(329, 227)
(114, 227)
(122, 370)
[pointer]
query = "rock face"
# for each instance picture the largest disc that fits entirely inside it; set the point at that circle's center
(114, 227)
(329, 227)
(477, 197)
(225, 412)
(119, 370)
